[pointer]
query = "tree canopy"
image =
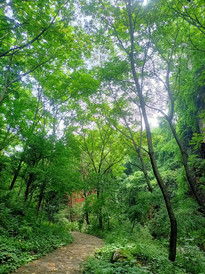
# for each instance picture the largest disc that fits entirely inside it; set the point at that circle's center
(105, 99)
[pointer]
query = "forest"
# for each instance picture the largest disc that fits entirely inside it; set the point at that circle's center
(102, 130)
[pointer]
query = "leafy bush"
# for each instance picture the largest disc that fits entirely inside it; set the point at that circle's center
(144, 255)
(102, 267)
(33, 244)
(24, 237)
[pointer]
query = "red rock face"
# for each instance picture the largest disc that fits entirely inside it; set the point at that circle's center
(77, 198)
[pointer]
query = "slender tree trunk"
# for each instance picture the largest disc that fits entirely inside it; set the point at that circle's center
(190, 179)
(87, 218)
(86, 212)
(39, 202)
(16, 173)
(29, 182)
(173, 222)
(100, 212)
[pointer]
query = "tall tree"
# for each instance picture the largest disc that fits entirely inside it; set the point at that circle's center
(171, 42)
(123, 22)
(104, 153)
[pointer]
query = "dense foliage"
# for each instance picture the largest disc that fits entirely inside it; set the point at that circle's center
(104, 100)
(24, 237)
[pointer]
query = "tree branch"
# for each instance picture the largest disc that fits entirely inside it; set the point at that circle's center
(114, 163)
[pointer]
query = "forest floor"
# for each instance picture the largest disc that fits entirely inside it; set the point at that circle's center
(67, 259)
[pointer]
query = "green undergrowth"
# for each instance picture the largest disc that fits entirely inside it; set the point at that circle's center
(24, 237)
(140, 253)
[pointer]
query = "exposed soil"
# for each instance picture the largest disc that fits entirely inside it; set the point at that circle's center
(67, 259)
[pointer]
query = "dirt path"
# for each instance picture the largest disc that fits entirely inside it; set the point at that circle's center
(66, 259)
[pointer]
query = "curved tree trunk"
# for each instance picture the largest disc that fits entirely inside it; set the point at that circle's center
(190, 179)
(173, 222)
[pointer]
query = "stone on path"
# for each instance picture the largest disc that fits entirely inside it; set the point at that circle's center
(67, 259)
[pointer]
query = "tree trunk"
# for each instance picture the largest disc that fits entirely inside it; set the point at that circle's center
(190, 179)
(173, 222)
(100, 220)
(16, 173)
(87, 218)
(29, 182)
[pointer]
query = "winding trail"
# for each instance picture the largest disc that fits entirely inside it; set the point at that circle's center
(67, 259)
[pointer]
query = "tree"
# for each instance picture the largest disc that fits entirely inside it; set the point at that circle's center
(122, 117)
(172, 51)
(102, 153)
(123, 22)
